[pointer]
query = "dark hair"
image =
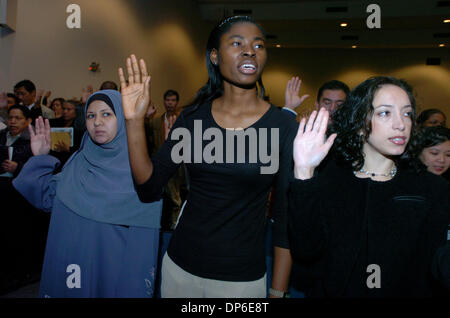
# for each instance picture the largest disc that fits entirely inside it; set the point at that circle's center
(79, 123)
(60, 99)
(352, 121)
(214, 87)
(424, 115)
(16, 100)
(108, 85)
(428, 137)
(171, 92)
(73, 102)
(25, 111)
(27, 84)
(333, 85)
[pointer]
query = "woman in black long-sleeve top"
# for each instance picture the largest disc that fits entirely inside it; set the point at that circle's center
(217, 249)
(369, 225)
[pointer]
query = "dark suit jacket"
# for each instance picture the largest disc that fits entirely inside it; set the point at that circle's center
(21, 153)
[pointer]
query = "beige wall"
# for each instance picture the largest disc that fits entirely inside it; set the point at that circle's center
(167, 34)
(171, 37)
(352, 66)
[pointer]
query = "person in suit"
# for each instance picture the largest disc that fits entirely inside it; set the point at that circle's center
(17, 232)
(156, 129)
(26, 92)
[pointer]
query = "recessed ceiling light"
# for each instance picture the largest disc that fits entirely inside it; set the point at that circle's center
(344, 24)
(441, 45)
(278, 45)
(447, 21)
(354, 46)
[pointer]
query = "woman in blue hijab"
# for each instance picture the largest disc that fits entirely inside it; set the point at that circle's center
(102, 241)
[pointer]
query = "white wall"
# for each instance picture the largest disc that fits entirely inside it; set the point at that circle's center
(167, 34)
(352, 66)
(171, 37)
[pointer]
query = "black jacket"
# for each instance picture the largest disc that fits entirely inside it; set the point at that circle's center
(21, 153)
(340, 224)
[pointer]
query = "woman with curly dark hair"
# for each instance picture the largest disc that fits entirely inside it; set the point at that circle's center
(367, 225)
(432, 148)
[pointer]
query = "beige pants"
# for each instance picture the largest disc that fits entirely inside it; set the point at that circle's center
(177, 283)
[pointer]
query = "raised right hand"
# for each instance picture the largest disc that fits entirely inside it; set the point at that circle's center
(135, 93)
(292, 98)
(40, 140)
(3, 100)
(310, 146)
(168, 125)
(86, 92)
(37, 101)
(151, 111)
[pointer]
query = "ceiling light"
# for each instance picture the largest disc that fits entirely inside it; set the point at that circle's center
(344, 24)
(278, 45)
(441, 45)
(354, 46)
(447, 21)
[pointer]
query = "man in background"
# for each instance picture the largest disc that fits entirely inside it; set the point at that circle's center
(26, 93)
(157, 130)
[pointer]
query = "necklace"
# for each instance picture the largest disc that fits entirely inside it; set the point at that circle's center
(391, 173)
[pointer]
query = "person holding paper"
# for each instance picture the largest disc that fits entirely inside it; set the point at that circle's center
(16, 236)
(16, 136)
(66, 141)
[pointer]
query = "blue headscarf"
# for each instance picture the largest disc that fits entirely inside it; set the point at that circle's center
(96, 182)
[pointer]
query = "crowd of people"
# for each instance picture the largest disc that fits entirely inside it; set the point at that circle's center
(94, 181)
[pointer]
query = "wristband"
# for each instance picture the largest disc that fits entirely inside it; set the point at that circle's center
(279, 293)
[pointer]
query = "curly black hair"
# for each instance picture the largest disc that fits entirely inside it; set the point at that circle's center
(352, 121)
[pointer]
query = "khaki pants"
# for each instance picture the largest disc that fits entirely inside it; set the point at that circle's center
(177, 283)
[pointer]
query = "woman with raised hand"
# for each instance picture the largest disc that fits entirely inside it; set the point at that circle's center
(369, 225)
(102, 241)
(217, 248)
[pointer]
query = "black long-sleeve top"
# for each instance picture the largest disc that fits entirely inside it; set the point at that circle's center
(221, 232)
(441, 264)
(342, 224)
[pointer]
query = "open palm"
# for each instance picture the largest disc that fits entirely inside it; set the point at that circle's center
(40, 140)
(292, 98)
(135, 93)
(310, 144)
(3, 100)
